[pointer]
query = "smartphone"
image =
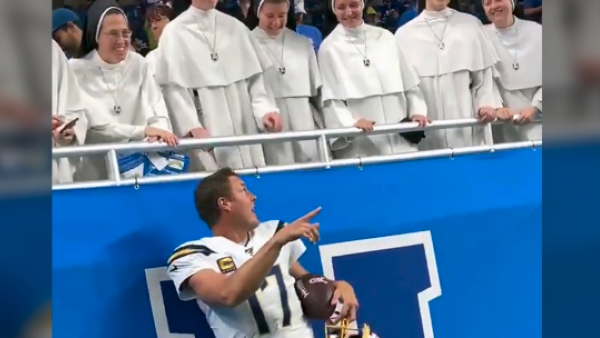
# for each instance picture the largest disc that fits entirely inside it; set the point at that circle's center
(68, 125)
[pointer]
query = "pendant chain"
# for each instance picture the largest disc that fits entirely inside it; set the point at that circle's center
(441, 44)
(280, 63)
(114, 94)
(213, 47)
(366, 60)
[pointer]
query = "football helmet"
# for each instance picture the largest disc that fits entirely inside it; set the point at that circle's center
(347, 329)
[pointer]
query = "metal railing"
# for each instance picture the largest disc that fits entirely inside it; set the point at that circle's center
(321, 135)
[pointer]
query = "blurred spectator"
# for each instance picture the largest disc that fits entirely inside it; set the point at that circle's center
(311, 32)
(410, 12)
(518, 44)
(197, 54)
(367, 81)
(157, 18)
(293, 81)
(391, 20)
(533, 10)
(454, 60)
(127, 102)
(66, 30)
(372, 17)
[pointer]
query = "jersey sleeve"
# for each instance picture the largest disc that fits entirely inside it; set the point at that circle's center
(296, 248)
(186, 261)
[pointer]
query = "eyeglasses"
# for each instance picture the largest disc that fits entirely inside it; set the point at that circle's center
(114, 35)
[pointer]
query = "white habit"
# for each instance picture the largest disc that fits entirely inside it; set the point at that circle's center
(66, 105)
(230, 88)
(454, 60)
(293, 80)
(151, 61)
(365, 75)
(519, 45)
(125, 100)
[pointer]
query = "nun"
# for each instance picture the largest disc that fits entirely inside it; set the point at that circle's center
(518, 44)
(366, 82)
(215, 55)
(68, 115)
(294, 81)
(454, 60)
(127, 102)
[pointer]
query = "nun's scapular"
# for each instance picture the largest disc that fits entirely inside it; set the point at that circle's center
(67, 106)
(217, 56)
(124, 96)
(518, 75)
(454, 60)
(293, 80)
(366, 76)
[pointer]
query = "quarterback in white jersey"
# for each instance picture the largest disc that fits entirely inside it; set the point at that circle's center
(243, 277)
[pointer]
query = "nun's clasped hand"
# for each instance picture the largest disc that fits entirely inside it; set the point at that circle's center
(365, 125)
(486, 114)
(526, 115)
(504, 114)
(421, 120)
(272, 122)
(159, 135)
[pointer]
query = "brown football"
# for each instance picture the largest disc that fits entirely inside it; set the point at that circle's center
(315, 293)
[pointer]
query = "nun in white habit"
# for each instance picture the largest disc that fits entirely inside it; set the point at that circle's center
(66, 107)
(367, 81)
(218, 57)
(127, 103)
(454, 60)
(294, 80)
(518, 43)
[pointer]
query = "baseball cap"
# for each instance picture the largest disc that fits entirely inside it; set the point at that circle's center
(371, 11)
(61, 17)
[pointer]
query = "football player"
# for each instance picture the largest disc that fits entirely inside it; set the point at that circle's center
(243, 276)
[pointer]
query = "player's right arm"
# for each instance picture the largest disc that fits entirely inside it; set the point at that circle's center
(197, 274)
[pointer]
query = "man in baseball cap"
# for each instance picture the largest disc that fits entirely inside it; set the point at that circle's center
(66, 30)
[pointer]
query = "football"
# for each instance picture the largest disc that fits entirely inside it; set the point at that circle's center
(315, 293)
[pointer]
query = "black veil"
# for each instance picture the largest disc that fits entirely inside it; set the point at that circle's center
(90, 25)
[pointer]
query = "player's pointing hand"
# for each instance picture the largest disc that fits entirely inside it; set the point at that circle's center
(302, 227)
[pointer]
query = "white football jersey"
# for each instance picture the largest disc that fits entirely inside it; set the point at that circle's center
(274, 311)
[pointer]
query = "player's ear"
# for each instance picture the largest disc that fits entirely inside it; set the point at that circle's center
(223, 204)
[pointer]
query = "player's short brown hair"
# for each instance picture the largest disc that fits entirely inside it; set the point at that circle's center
(209, 191)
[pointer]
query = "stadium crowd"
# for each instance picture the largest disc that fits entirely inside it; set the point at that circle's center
(164, 70)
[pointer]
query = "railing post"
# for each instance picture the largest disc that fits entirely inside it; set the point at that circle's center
(112, 165)
(323, 145)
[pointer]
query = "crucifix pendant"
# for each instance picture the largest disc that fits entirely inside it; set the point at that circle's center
(516, 66)
(282, 70)
(117, 109)
(214, 56)
(442, 45)
(367, 62)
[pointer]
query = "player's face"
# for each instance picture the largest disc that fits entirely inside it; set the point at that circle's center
(242, 204)
(498, 11)
(349, 13)
(273, 17)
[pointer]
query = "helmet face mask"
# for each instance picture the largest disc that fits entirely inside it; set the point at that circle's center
(346, 329)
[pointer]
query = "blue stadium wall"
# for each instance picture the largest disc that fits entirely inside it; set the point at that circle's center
(444, 247)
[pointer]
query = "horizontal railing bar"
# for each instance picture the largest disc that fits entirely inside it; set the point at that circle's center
(186, 144)
(358, 162)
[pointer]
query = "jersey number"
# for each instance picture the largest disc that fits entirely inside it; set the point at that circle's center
(257, 312)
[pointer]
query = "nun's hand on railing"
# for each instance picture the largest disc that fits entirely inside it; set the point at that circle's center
(159, 135)
(504, 114)
(486, 114)
(200, 133)
(526, 115)
(421, 120)
(365, 125)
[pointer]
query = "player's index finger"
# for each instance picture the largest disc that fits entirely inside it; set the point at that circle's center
(312, 214)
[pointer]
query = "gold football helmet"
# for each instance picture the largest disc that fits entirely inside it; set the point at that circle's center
(346, 329)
